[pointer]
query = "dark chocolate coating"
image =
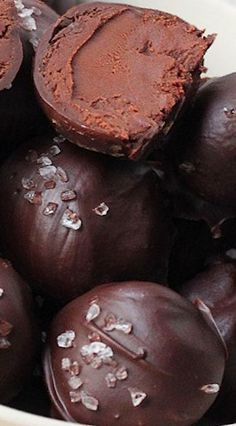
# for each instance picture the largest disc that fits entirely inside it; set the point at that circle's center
(18, 333)
(207, 157)
(112, 77)
(216, 286)
(21, 117)
(154, 356)
(61, 6)
(120, 226)
(193, 245)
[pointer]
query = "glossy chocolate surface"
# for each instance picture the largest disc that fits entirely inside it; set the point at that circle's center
(76, 218)
(61, 6)
(216, 286)
(192, 246)
(18, 333)
(124, 354)
(113, 77)
(206, 160)
(22, 25)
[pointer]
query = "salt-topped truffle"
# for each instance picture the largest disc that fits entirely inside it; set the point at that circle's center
(207, 154)
(22, 24)
(85, 218)
(18, 333)
(124, 354)
(216, 286)
(112, 78)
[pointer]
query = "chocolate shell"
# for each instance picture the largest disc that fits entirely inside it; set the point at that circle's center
(133, 353)
(207, 157)
(216, 286)
(72, 218)
(19, 336)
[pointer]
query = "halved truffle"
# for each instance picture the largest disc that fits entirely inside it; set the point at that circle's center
(112, 78)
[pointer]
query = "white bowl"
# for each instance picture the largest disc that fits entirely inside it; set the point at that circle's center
(217, 16)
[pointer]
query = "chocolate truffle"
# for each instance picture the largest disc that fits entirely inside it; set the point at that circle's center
(22, 25)
(124, 354)
(112, 77)
(207, 153)
(18, 332)
(72, 218)
(216, 286)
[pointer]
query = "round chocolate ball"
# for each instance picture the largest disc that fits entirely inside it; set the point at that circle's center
(18, 333)
(133, 353)
(216, 286)
(22, 25)
(111, 78)
(207, 151)
(72, 218)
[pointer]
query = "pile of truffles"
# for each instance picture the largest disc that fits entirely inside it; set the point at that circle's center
(117, 218)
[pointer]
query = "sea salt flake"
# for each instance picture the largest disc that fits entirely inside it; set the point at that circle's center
(96, 362)
(68, 195)
(66, 339)
(112, 323)
(37, 11)
(93, 312)
(62, 175)
(50, 184)
(47, 172)
(137, 396)
(1, 292)
(4, 343)
(97, 348)
(27, 183)
(89, 402)
(94, 337)
(27, 20)
(31, 156)
(34, 40)
(230, 112)
(44, 161)
(74, 368)
(54, 150)
(59, 139)
(71, 220)
(124, 326)
(102, 209)
(75, 396)
(50, 209)
(34, 197)
(111, 380)
(75, 382)
(211, 388)
(121, 373)
(231, 253)
(65, 364)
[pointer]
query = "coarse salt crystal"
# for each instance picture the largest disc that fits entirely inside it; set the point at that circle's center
(93, 312)
(66, 339)
(137, 396)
